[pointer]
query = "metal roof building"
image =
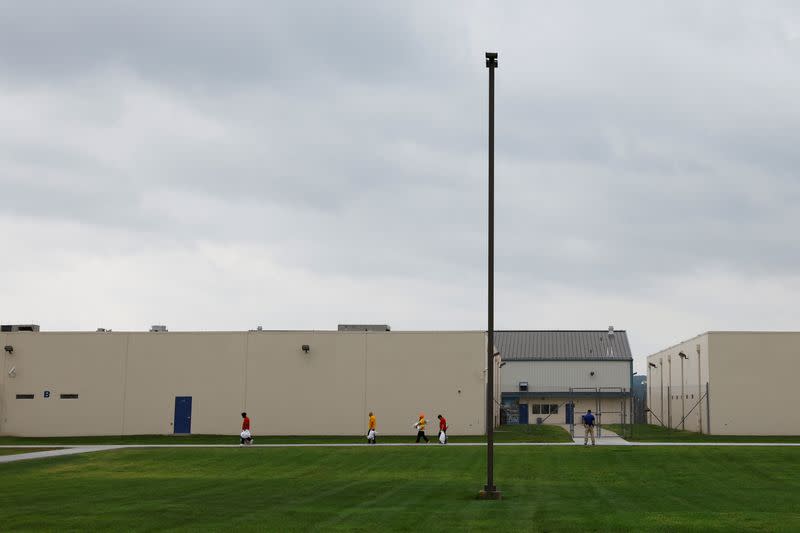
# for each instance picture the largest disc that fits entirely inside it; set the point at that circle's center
(549, 375)
(562, 345)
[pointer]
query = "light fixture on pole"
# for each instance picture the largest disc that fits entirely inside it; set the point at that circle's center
(683, 392)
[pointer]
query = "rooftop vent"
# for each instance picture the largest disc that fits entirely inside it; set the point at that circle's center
(158, 329)
(364, 327)
(19, 327)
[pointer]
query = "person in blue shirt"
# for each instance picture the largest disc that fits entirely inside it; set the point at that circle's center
(588, 425)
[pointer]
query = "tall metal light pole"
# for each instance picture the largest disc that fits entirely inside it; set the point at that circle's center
(489, 491)
(683, 392)
(699, 390)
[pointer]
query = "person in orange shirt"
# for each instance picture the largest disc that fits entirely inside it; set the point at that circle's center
(420, 425)
(371, 433)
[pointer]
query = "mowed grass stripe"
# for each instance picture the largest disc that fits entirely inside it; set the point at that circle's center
(516, 433)
(429, 487)
(653, 433)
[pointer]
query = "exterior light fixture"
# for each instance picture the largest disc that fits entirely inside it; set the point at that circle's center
(9, 349)
(683, 355)
(305, 348)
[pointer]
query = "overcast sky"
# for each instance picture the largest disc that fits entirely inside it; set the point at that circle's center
(226, 165)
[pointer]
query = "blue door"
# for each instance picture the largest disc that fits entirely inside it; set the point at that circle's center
(523, 413)
(570, 408)
(183, 414)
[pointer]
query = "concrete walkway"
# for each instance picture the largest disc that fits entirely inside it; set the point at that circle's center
(73, 450)
(608, 438)
(68, 449)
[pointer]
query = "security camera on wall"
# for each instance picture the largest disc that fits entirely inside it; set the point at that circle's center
(9, 349)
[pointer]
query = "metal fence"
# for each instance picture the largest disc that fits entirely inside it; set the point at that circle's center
(610, 405)
(686, 407)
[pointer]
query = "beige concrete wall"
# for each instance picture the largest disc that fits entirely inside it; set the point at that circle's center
(128, 382)
(750, 378)
(209, 367)
(442, 374)
(3, 374)
(293, 393)
(677, 384)
(64, 363)
(753, 383)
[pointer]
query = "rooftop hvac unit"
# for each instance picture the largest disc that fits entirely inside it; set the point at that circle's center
(19, 327)
(158, 329)
(364, 327)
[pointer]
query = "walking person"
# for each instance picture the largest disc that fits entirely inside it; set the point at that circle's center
(371, 433)
(588, 426)
(420, 425)
(442, 429)
(245, 437)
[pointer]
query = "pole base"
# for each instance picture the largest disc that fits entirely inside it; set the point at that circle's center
(490, 495)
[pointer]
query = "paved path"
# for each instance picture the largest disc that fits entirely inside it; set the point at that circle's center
(49, 453)
(608, 438)
(70, 449)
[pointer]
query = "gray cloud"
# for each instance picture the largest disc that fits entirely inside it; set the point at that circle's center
(637, 145)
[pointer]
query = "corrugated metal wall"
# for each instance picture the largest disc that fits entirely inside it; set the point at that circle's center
(561, 375)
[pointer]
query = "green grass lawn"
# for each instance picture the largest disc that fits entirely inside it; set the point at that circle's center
(425, 488)
(503, 434)
(652, 433)
(12, 451)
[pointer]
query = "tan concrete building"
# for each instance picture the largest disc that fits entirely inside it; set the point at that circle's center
(553, 377)
(289, 382)
(727, 383)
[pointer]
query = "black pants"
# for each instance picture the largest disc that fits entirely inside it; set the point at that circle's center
(421, 435)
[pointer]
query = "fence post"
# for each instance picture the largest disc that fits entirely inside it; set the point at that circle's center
(669, 407)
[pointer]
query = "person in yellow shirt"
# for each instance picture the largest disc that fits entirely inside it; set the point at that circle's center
(420, 425)
(371, 433)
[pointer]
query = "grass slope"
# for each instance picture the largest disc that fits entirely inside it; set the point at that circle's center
(425, 488)
(652, 433)
(504, 434)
